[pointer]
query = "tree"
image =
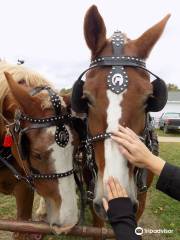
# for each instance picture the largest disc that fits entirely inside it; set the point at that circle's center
(172, 87)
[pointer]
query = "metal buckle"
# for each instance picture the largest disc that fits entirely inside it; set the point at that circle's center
(17, 126)
(90, 196)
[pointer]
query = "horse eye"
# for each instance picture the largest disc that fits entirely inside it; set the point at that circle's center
(22, 82)
(89, 102)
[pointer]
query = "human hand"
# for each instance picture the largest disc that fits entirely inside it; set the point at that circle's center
(136, 152)
(114, 190)
(133, 148)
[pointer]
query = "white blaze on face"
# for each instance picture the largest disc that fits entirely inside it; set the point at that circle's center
(67, 214)
(115, 163)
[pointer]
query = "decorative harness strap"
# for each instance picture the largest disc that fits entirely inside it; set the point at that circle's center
(117, 82)
(61, 137)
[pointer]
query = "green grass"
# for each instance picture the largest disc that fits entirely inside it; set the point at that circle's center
(161, 208)
(7, 206)
(170, 134)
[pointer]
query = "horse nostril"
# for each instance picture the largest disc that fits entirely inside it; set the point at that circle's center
(97, 206)
(99, 209)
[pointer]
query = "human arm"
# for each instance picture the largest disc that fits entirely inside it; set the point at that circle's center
(136, 152)
(139, 155)
(120, 211)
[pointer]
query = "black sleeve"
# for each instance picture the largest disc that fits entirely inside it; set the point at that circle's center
(169, 181)
(122, 219)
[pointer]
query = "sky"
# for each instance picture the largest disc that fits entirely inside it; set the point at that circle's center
(48, 34)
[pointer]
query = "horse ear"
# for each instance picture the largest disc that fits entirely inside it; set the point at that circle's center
(94, 30)
(158, 100)
(20, 94)
(149, 38)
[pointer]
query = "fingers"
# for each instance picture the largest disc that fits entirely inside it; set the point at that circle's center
(121, 191)
(109, 192)
(112, 186)
(123, 136)
(124, 192)
(126, 154)
(119, 188)
(122, 141)
(130, 132)
(116, 189)
(105, 204)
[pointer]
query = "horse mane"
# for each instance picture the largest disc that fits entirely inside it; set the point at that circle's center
(19, 73)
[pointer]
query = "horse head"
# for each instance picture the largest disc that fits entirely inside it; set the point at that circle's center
(117, 90)
(43, 142)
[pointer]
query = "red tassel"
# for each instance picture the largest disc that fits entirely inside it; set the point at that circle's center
(8, 140)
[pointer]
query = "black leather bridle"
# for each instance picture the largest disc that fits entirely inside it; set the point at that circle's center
(117, 82)
(61, 136)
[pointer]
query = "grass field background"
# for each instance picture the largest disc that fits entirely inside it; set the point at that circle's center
(161, 133)
(161, 211)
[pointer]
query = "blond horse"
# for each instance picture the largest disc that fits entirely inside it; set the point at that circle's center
(44, 154)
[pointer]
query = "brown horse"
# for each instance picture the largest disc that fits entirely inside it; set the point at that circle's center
(43, 155)
(117, 90)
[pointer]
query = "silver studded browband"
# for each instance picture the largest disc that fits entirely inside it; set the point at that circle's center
(117, 79)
